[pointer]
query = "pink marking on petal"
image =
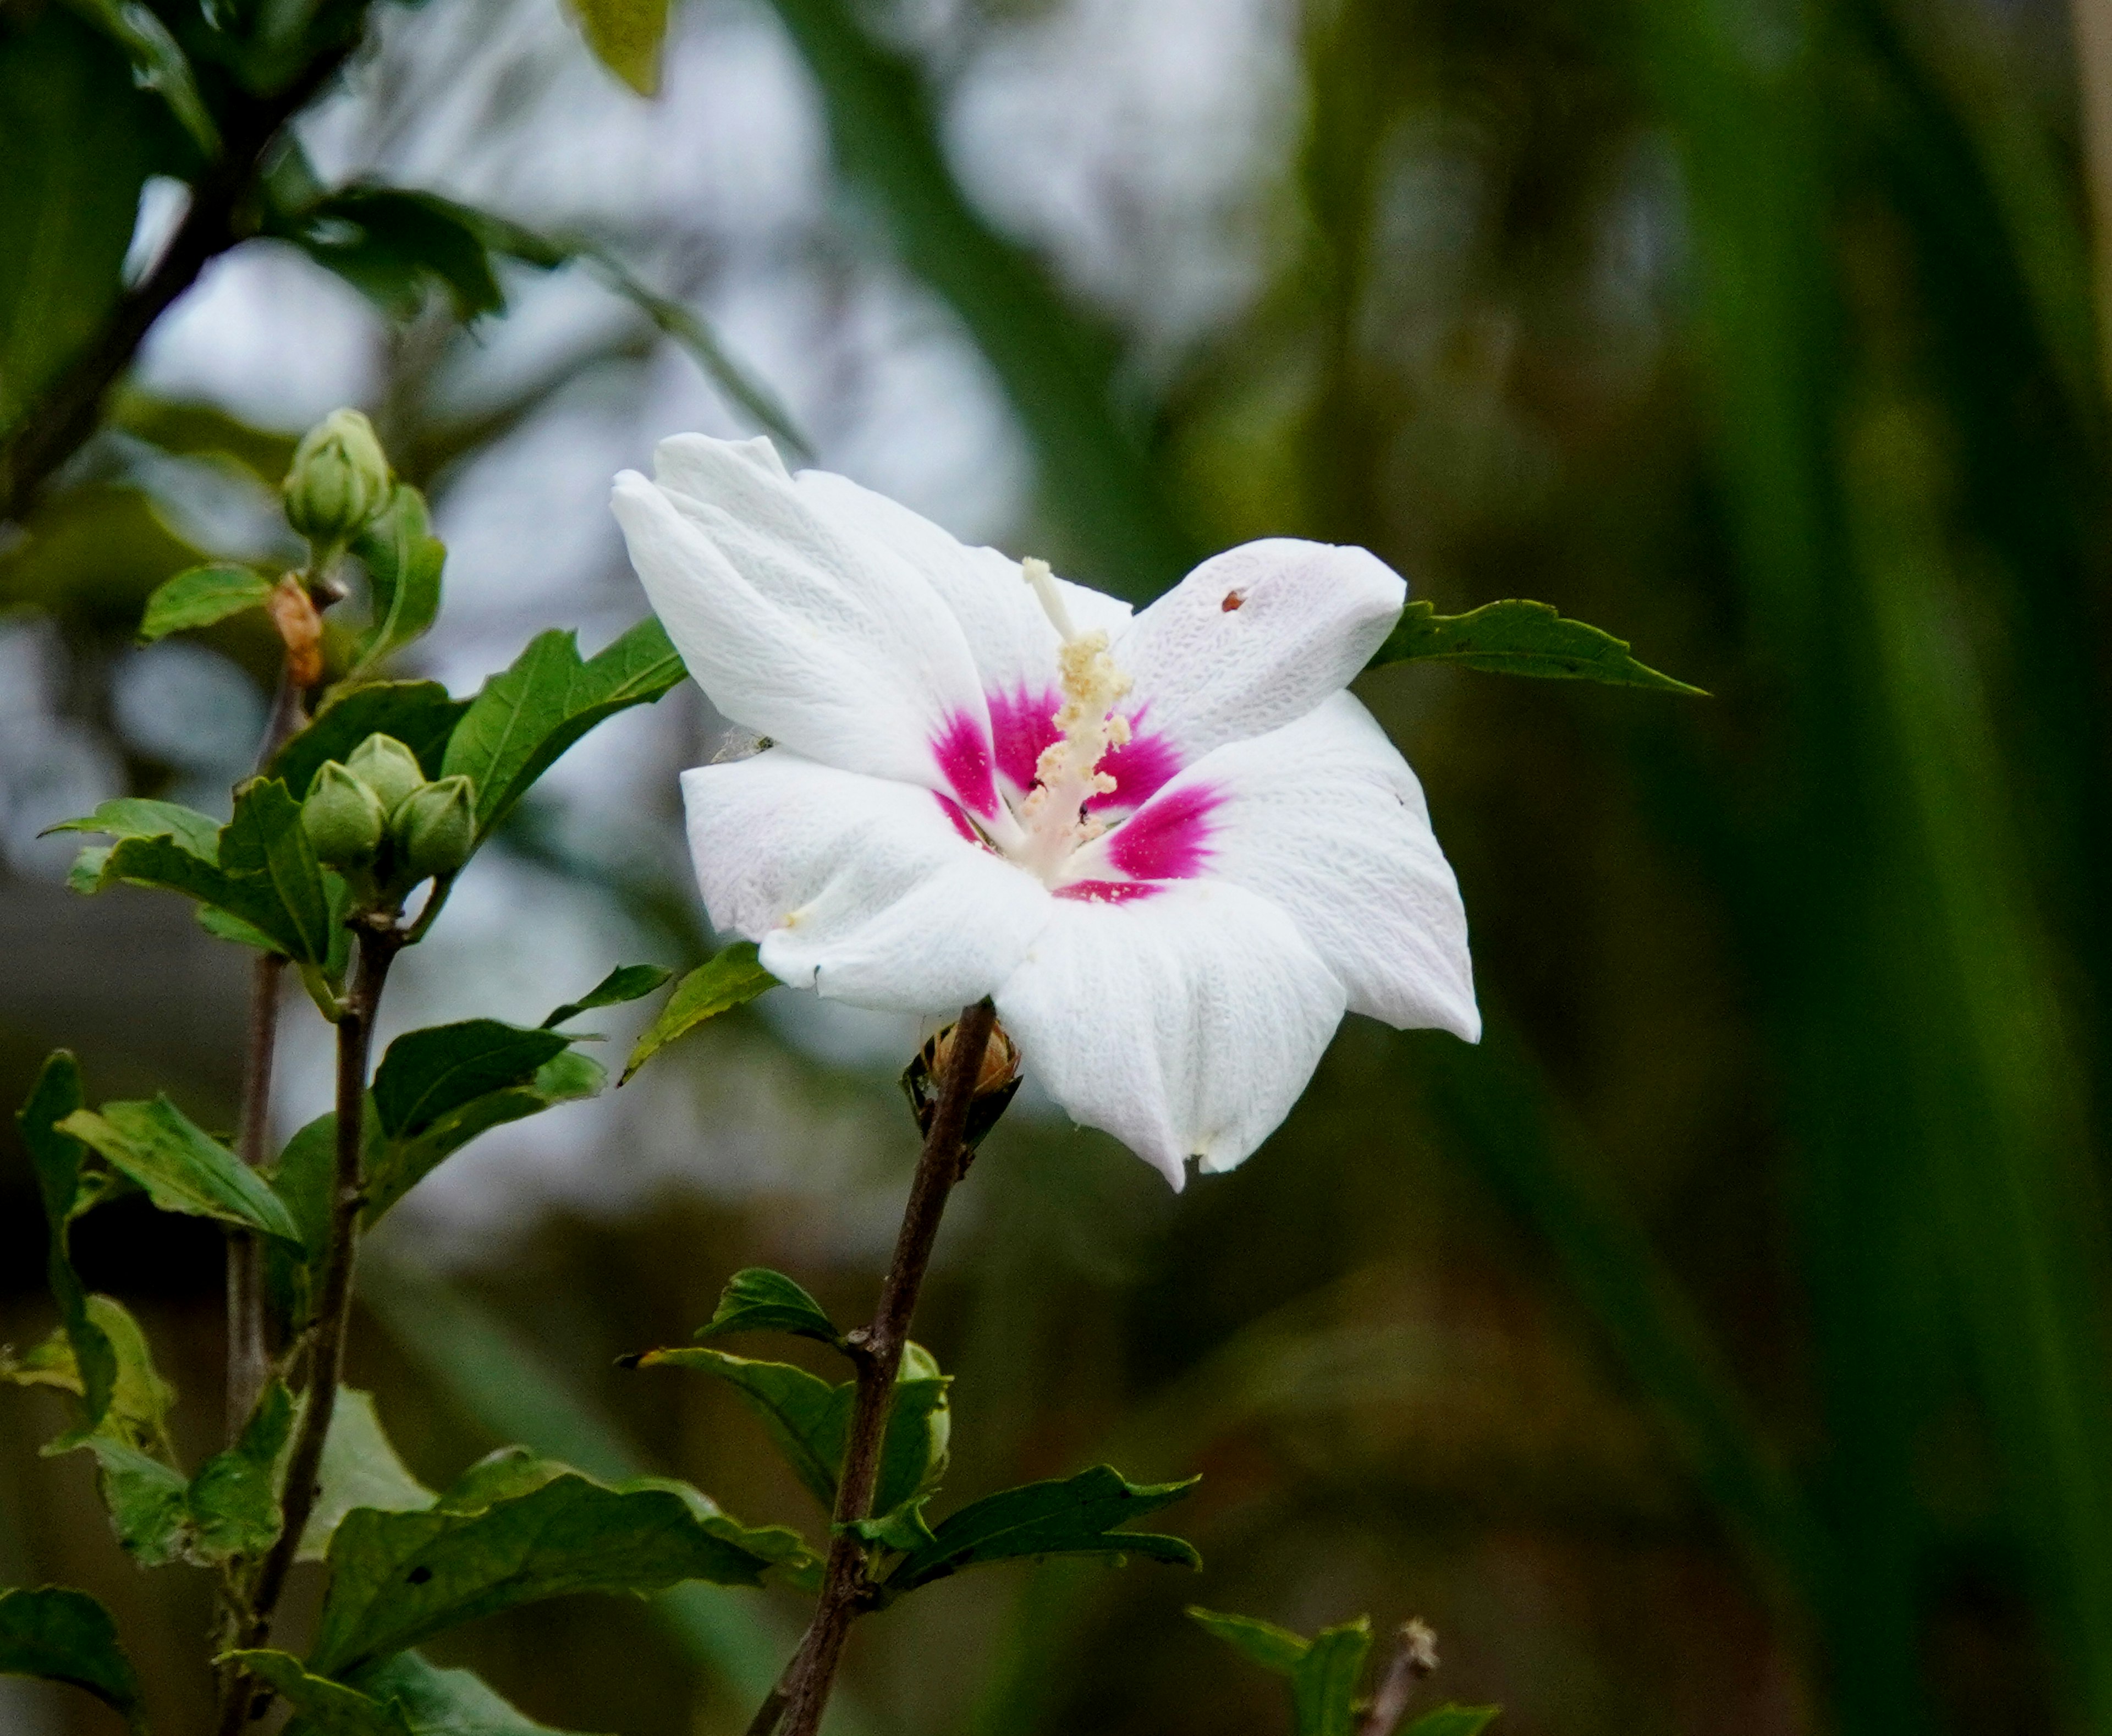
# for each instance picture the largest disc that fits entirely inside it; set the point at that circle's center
(1023, 723)
(1141, 767)
(1167, 839)
(959, 815)
(962, 750)
(1106, 891)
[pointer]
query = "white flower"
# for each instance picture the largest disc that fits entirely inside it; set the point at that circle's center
(1172, 848)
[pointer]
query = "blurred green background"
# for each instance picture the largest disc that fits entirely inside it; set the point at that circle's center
(1721, 1345)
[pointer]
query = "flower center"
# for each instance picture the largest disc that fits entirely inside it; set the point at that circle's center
(1053, 819)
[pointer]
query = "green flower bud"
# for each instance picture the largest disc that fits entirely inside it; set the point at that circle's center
(387, 767)
(342, 819)
(435, 827)
(340, 479)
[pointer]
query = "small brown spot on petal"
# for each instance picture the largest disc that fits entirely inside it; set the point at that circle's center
(1233, 600)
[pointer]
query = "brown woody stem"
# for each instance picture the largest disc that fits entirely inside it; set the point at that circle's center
(378, 942)
(846, 1593)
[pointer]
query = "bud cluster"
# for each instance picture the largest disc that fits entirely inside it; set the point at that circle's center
(339, 481)
(378, 820)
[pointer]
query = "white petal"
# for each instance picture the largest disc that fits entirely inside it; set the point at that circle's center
(862, 889)
(1008, 633)
(1324, 819)
(1184, 1023)
(1255, 638)
(826, 641)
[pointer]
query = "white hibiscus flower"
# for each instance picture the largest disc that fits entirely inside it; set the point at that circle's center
(1171, 847)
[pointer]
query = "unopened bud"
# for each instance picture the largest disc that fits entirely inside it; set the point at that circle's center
(997, 1082)
(339, 481)
(387, 767)
(342, 819)
(435, 827)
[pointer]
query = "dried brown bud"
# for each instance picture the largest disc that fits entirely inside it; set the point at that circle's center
(997, 1082)
(301, 629)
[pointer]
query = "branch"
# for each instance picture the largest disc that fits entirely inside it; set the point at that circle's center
(67, 414)
(878, 1348)
(378, 944)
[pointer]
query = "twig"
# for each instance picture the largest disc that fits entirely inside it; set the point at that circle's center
(877, 1348)
(378, 943)
(219, 217)
(1414, 1656)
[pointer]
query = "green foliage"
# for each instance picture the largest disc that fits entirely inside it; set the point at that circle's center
(808, 1420)
(200, 595)
(524, 717)
(626, 982)
(233, 1499)
(419, 714)
(146, 1499)
(1517, 637)
(513, 1529)
(79, 139)
(322, 1706)
(360, 1469)
(443, 1702)
(759, 1300)
(182, 1168)
(427, 1073)
(730, 979)
(1073, 1515)
(625, 36)
(403, 560)
(1324, 1673)
(57, 1159)
(67, 1636)
(159, 64)
(262, 872)
(135, 1409)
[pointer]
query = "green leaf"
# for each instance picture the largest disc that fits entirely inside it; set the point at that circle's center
(427, 1073)
(1323, 1687)
(1262, 1642)
(534, 1530)
(322, 1706)
(625, 36)
(759, 1300)
(67, 1636)
(626, 982)
(145, 1498)
(395, 246)
(135, 817)
(1075, 1515)
(81, 142)
(525, 717)
(360, 1469)
(264, 872)
(419, 714)
(403, 559)
(396, 1165)
(731, 978)
(181, 1168)
(808, 1419)
(135, 1408)
(200, 596)
(903, 1529)
(233, 1499)
(804, 1415)
(1454, 1720)
(444, 1703)
(56, 1158)
(159, 64)
(1517, 637)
